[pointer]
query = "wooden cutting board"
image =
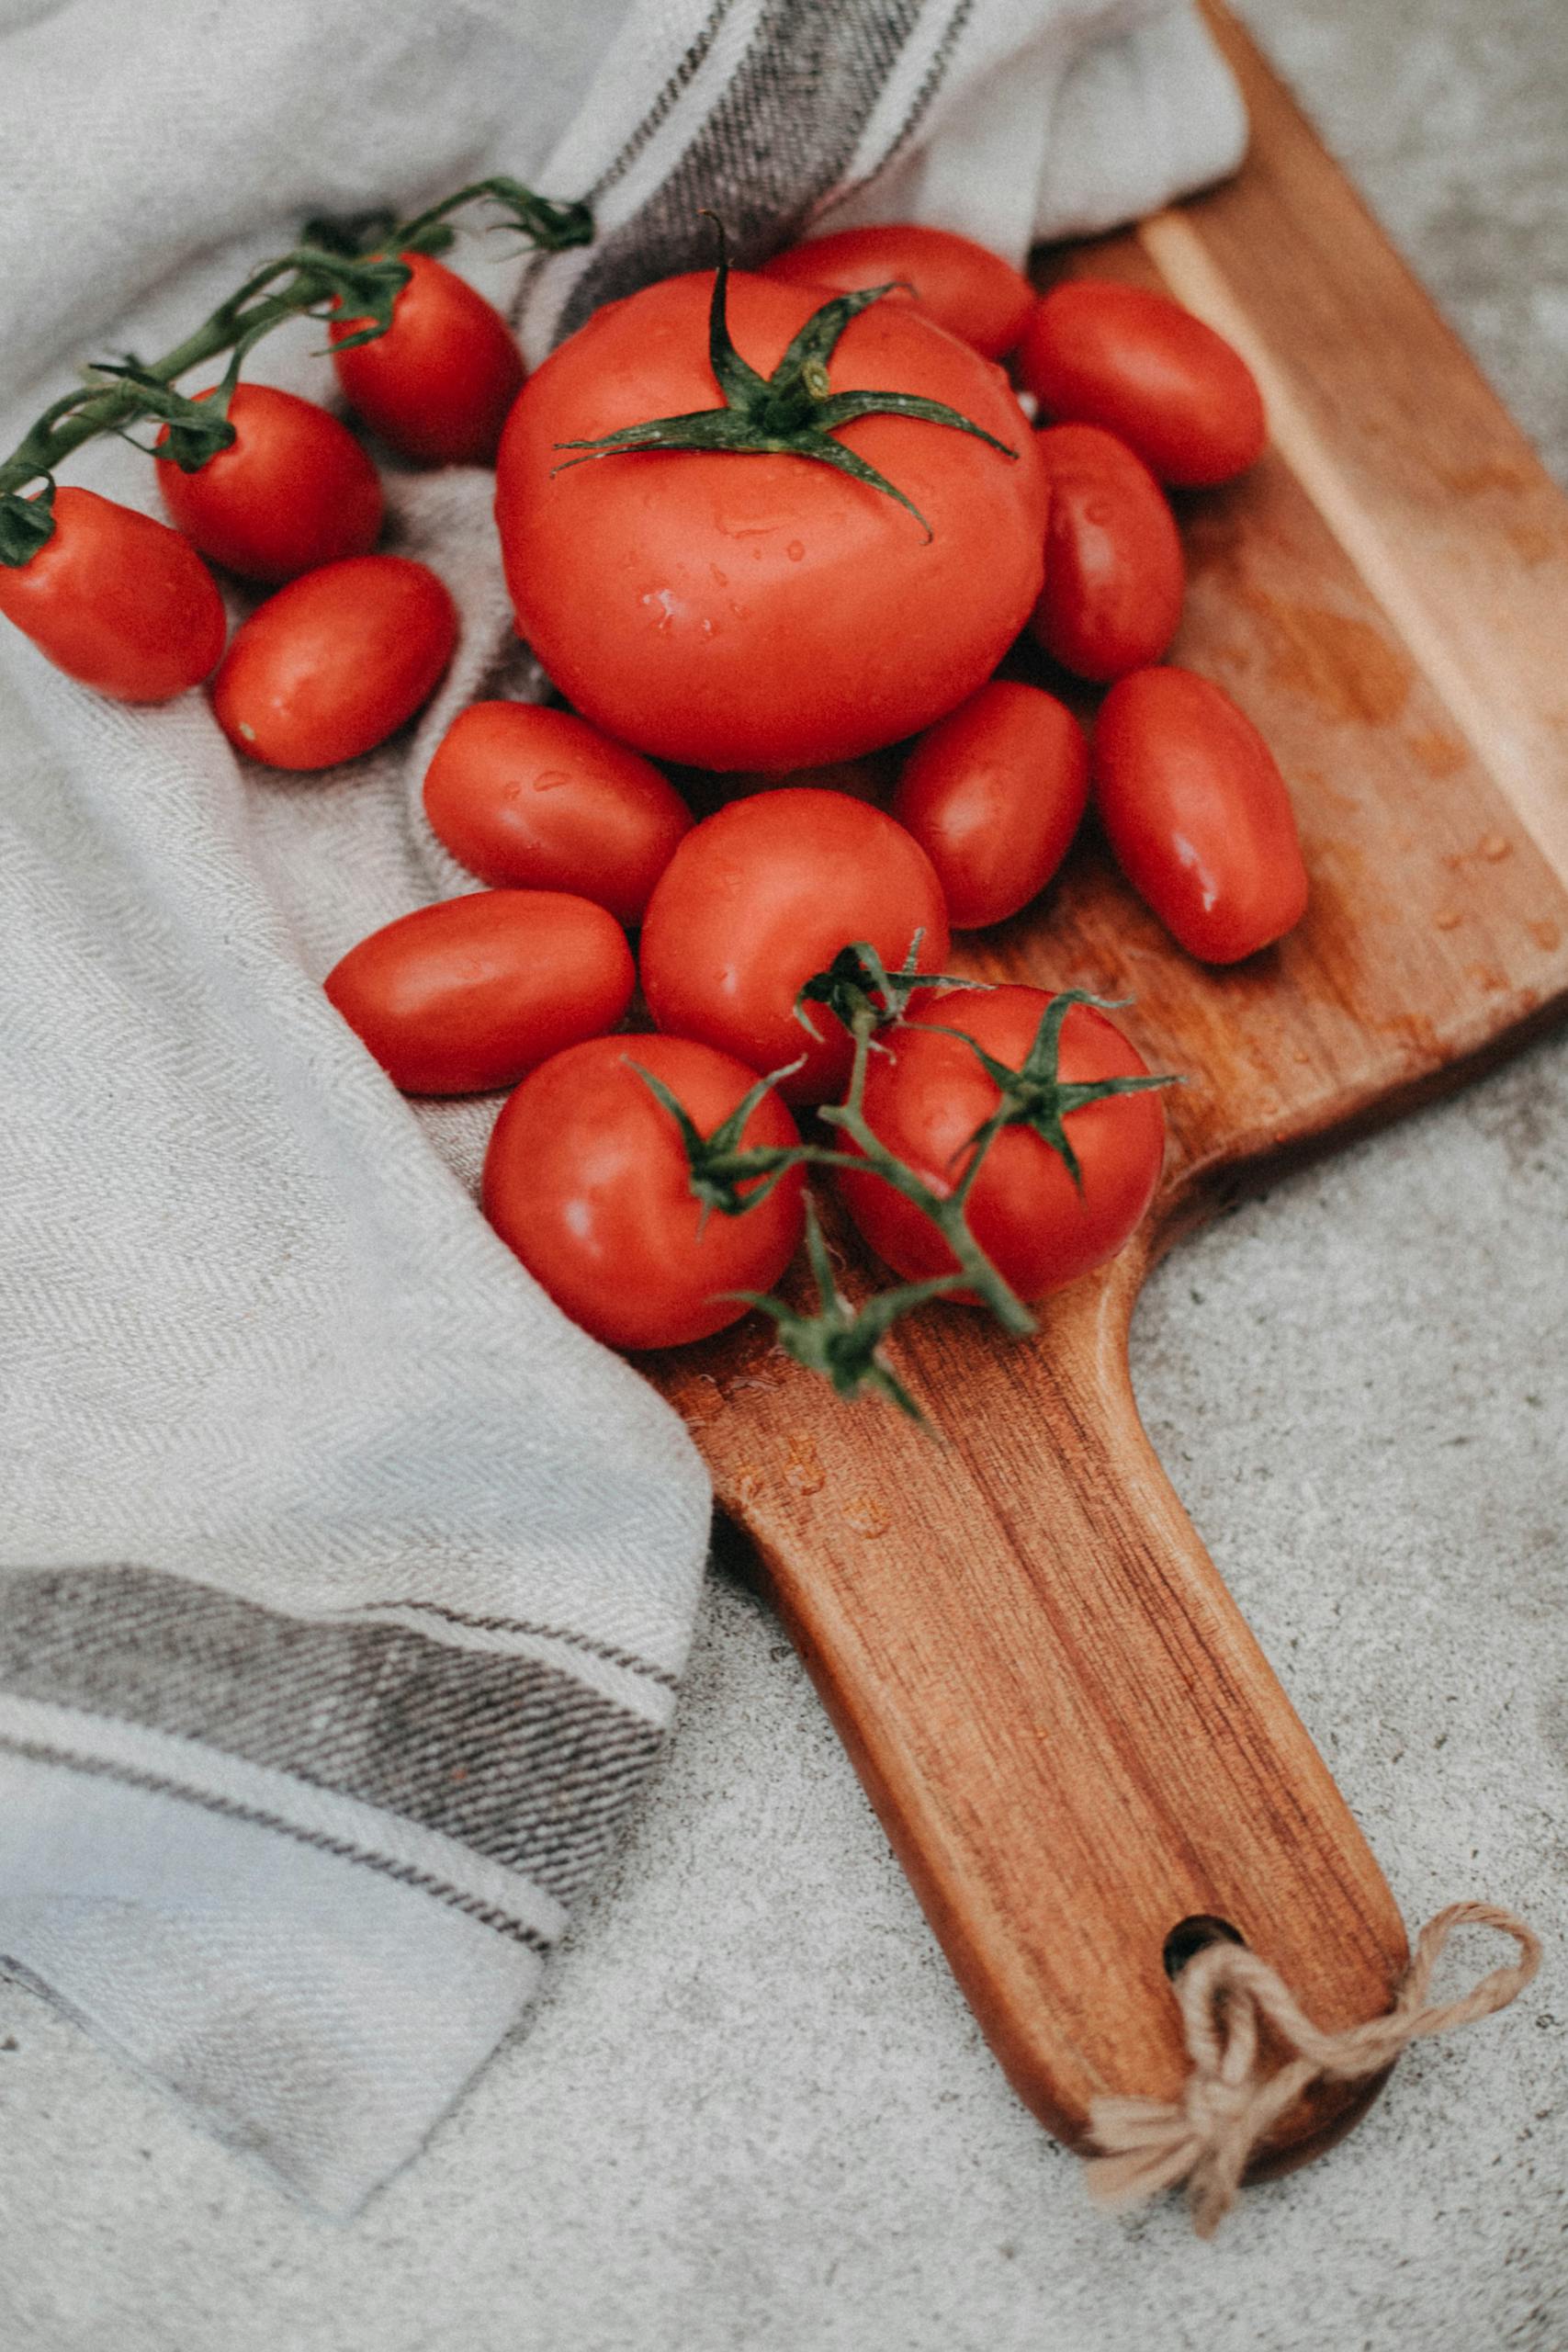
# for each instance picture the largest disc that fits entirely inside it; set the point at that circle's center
(1070, 1736)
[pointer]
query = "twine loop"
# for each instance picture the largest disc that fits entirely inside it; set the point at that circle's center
(1228, 2106)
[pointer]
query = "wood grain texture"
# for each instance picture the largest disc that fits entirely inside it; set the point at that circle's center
(1070, 1734)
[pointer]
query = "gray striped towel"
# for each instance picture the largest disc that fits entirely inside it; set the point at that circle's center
(347, 1586)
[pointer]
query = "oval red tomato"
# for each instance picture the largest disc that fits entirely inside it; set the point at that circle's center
(1097, 352)
(586, 1179)
(993, 794)
(530, 797)
(437, 385)
(1114, 574)
(926, 1098)
(118, 599)
(293, 490)
(465, 995)
(760, 610)
(964, 287)
(1198, 815)
(760, 897)
(335, 662)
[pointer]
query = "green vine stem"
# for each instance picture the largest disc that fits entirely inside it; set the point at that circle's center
(326, 278)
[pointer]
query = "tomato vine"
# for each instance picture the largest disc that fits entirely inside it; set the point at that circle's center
(331, 273)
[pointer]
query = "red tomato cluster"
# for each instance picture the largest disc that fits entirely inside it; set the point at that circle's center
(765, 521)
(352, 644)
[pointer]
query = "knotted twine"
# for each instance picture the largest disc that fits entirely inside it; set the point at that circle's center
(1227, 2107)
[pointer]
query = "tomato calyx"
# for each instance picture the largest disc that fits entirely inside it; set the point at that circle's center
(1035, 1095)
(795, 412)
(858, 984)
(719, 1165)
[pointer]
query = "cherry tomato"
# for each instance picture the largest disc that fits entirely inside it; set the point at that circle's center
(1198, 814)
(465, 995)
(335, 662)
(927, 1096)
(1097, 352)
(993, 794)
(760, 610)
(760, 897)
(963, 286)
(586, 1179)
(438, 383)
(118, 599)
(294, 490)
(527, 796)
(1114, 577)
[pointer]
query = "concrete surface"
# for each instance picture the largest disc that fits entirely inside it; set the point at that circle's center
(753, 2111)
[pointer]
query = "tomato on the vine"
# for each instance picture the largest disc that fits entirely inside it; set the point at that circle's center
(587, 1180)
(930, 1093)
(729, 588)
(438, 384)
(993, 794)
(760, 898)
(465, 995)
(1197, 814)
(118, 599)
(335, 662)
(964, 287)
(1099, 351)
(527, 797)
(1115, 573)
(293, 491)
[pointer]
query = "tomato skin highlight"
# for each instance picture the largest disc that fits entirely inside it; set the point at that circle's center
(994, 794)
(586, 1181)
(438, 384)
(763, 611)
(760, 897)
(1115, 573)
(964, 287)
(926, 1098)
(118, 599)
(1197, 814)
(292, 491)
(528, 797)
(335, 662)
(463, 996)
(1098, 351)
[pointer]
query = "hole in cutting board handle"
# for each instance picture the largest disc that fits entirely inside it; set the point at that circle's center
(1189, 1937)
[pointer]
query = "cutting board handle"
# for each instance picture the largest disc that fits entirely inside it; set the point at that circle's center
(1075, 1744)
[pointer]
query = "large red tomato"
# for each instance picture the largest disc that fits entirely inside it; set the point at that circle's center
(760, 898)
(587, 1180)
(927, 1097)
(762, 609)
(117, 600)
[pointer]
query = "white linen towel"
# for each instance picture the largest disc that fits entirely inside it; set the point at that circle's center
(346, 1585)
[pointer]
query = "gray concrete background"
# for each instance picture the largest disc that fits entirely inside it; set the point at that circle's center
(753, 2111)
